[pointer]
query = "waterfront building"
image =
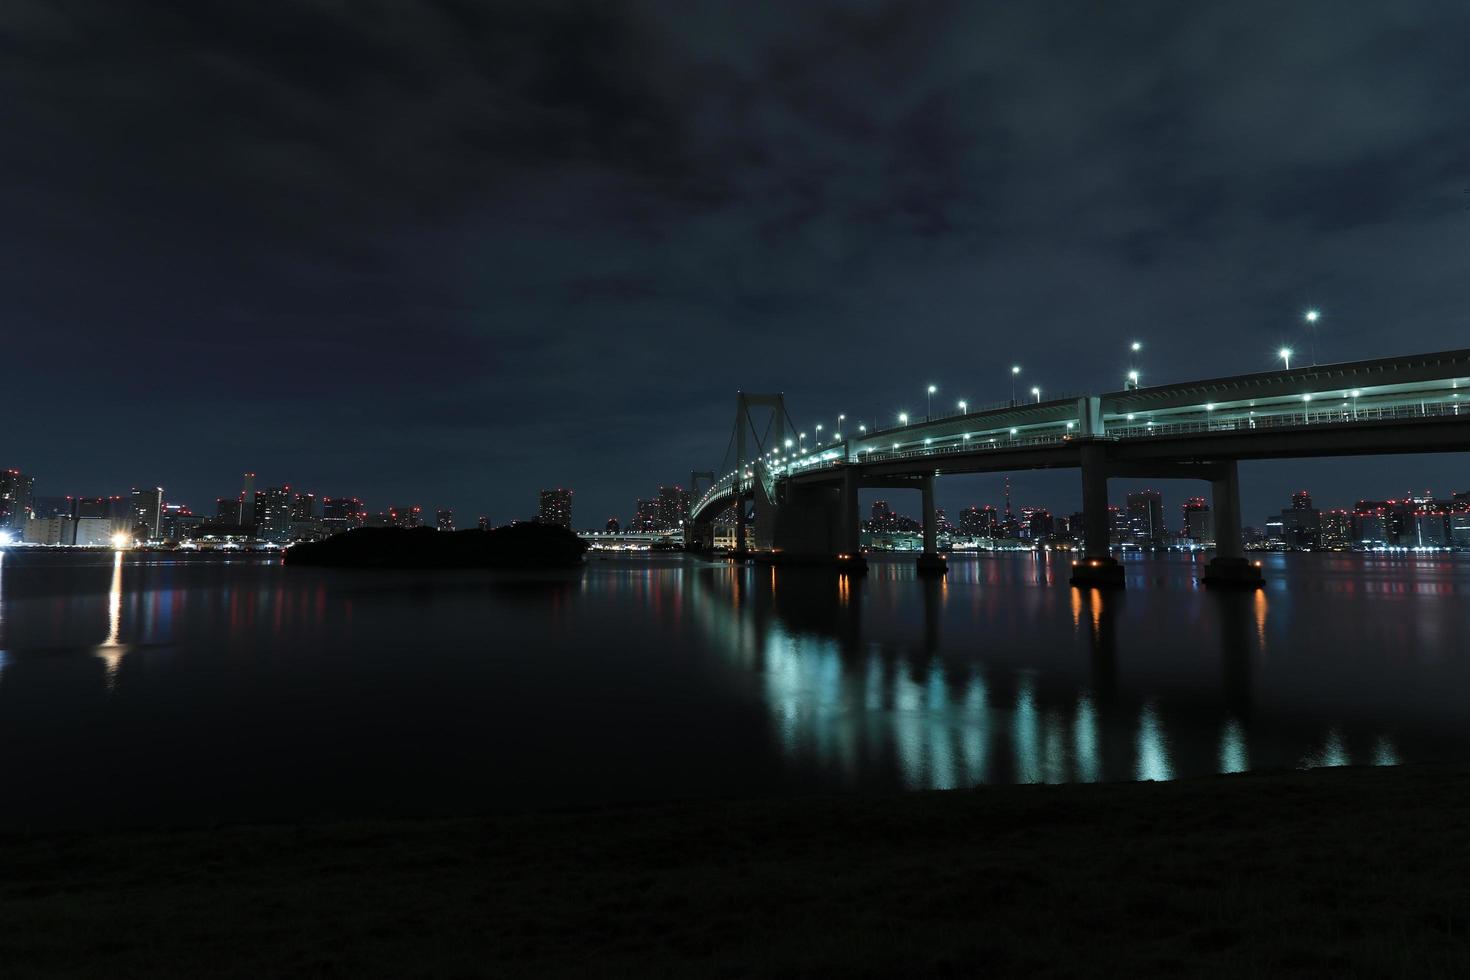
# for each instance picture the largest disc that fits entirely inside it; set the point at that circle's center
(247, 499)
(52, 507)
(303, 507)
(1199, 522)
(556, 507)
(484, 523)
(1336, 530)
(444, 519)
(227, 511)
(147, 513)
(1431, 529)
(979, 522)
(645, 516)
(92, 532)
(48, 531)
(1146, 518)
(673, 507)
(342, 514)
(1301, 524)
(273, 514)
(406, 515)
(177, 521)
(612, 526)
(16, 490)
(1459, 529)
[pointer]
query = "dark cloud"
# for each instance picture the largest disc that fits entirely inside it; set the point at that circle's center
(456, 250)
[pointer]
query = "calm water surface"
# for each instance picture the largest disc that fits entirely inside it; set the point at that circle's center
(145, 688)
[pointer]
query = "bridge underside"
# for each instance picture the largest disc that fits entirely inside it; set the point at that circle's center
(806, 499)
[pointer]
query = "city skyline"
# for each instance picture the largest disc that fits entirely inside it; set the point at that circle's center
(425, 300)
(665, 511)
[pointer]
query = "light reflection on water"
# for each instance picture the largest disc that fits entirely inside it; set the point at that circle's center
(638, 678)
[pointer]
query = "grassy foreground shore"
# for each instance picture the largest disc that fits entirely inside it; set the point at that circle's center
(1349, 872)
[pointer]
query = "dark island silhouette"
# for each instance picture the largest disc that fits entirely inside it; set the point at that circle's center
(513, 546)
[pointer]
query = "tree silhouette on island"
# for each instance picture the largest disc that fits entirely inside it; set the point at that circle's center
(513, 546)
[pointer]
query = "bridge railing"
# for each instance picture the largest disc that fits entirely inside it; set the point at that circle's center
(1334, 415)
(975, 410)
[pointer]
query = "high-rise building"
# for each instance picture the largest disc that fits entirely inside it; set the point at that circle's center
(1431, 529)
(273, 514)
(556, 507)
(484, 523)
(342, 514)
(177, 522)
(1039, 524)
(1460, 529)
(1337, 530)
(979, 522)
(673, 507)
(47, 507)
(405, 515)
(303, 507)
(612, 526)
(645, 516)
(147, 512)
(247, 500)
(1146, 518)
(444, 519)
(1301, 525)
(227, 511)
(1199, 523)
(16, 490)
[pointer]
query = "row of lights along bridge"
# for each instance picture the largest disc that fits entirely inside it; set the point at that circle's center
(1132, 381)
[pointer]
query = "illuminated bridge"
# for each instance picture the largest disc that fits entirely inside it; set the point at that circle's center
(805, 498)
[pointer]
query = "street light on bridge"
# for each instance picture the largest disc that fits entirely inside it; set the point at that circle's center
(1312, 316)
(1015, 370)
(1132, 384)
(929, 412)
(1285, 355)
(840, 419)
(1037, 393)
(903, 418)
(962, 407)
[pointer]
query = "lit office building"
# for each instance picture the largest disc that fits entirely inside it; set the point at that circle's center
(303, 507)
(342, 514)
(1146, 518)
(16, 490)
(1337, 530)
(556, 507)
(673, 507)
(444, 519)
(227, 511)
(405, 516)
(247, 500)
(645, 516)
(147, 513)
(273, 514)
(1199, 523)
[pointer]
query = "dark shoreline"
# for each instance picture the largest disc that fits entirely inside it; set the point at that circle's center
(1346, 872)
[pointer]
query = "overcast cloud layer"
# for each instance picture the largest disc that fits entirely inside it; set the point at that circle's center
(451, 252)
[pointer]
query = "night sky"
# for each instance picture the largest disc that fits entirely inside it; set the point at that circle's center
(448, 253)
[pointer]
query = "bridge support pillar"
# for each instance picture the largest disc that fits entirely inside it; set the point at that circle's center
(1229, 567)
(850, 557)
(740, 551)
(930, 561)
(1097, 568)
